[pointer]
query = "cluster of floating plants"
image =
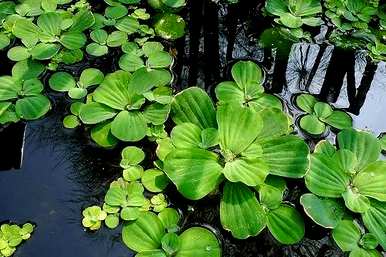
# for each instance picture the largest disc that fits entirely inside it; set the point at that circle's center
(150, 226)
(242, 145)
(11, 236)
(357, 24)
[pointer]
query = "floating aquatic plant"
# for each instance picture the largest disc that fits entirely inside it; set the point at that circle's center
(11, 236)
(65, 82)
(235, 143)
(21, 94)
(295, 14)
(247, 89)
(319, 115)
(127, 104)
(350, 237)
(352, 173)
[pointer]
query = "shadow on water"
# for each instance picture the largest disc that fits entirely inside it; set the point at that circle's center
(62, 171)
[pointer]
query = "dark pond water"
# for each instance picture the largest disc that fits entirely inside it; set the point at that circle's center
(62, 172)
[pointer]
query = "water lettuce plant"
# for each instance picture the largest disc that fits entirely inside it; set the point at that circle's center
(11, 236)
(233, 143)
(348, 15)
(65, 82)
(126, 104)
(319, 115)
(353, 173)
(21, 93)
(150, 235)
(247, 88)
(349, 236)
(169, 26)
(150, 56)
(93, 217)
(293, 14)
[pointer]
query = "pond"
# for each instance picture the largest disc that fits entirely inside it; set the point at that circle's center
(49, 174)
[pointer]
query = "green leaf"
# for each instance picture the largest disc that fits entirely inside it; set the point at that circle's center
(238, 127)
(101, 134)
(306, 8)
(27, 69)
(144, 234)
(323, 211)
(113, 92)
(170, 26)
(50, 23)
(195, 106)
(249, 172)
(198, 241)
(312, 125)
(44, 51)
(4, 41)
(96, 49)
(195, 172)
(369, 241)
(93, 113)
(156, 113)
(240, 211)
(170, 219)
(71, 121)
(90, 77)
(152, 253)
(286, 224)
(375, 221)
(32, 107)
(325, 147)
(371, 181)
(132, 173)
(365, 146)
(322, 110)
(116, 38)
(186, 135)
(160, 59)
(360, 252)
(130, 62)
(275, 123)
(271, 192)
(77, 93)
(291, 21)
(132, 155)
(18, 53)
(247, 74)
(171, 243)
(129, 126)
(286, 156)
(112, 221)
(325, 177)
(49, 5)
(32, 87)
(99, 36)
(26, 31)
(128, 25)
(306, 102)
(144, 80)
(73, 40)
(339, 120)
(154, 180)
(82, 20)
(130, 213)
(61, 81)
(151, 47)
(209, 138)
(346, 235)
(116, 12)
(276, 7)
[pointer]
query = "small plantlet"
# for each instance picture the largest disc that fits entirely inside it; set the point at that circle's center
(93, 217)
(295, 14)
(65, 82)
(21, 94)
(11, 236)
(319, 115)
(352, 172)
